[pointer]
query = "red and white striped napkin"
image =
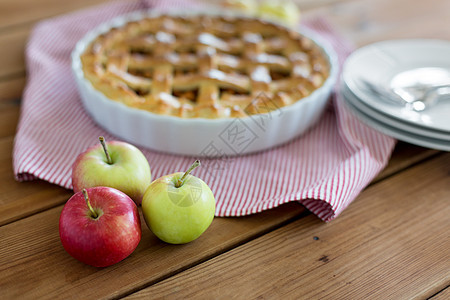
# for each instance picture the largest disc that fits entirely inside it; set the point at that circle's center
(325, 169)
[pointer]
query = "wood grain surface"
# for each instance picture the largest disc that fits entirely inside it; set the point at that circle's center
(442, 295)
(11, 87)
(385, 256)
(15, 13)
(391, 243)
(34, 263)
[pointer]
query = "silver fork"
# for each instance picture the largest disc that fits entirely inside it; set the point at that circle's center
(430, 95)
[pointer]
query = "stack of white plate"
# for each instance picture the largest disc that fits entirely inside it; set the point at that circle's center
(383, 65)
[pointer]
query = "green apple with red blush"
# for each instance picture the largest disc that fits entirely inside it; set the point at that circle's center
(178, 207)
(113, 164)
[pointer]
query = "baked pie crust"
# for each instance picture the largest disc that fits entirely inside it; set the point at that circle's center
(204, 66)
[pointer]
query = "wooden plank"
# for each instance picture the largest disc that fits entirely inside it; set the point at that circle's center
(9, 116)
(12, 87)
(17, 24)
(12, 52)
(404, 156)
(442, 295)
(392, 243)
(369, 21)
(17, 199)
(18, 12)
(15, 27)
(34, 265)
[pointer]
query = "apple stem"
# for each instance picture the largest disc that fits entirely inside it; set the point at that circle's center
(181, 180)
(108, 158)
(86, 197)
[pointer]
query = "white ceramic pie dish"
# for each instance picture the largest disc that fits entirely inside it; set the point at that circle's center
(197, 136)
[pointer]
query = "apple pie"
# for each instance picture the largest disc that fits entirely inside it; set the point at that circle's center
(204, 66)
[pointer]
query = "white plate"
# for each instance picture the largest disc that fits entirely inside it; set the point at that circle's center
(379, 63)
(392, 122)
(398, 133)
(200, 137)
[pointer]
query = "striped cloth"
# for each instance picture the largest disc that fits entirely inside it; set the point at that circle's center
(325, 169)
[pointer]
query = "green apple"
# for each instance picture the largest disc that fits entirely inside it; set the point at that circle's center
(113, 164)
(178, 207)
(246, 6)
(284, 11)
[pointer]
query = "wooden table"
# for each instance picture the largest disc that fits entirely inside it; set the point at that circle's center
(391, 243)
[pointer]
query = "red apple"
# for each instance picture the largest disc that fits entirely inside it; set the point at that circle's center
(100, 226)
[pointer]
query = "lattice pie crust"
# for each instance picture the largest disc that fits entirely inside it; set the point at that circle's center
(204, 66)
